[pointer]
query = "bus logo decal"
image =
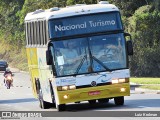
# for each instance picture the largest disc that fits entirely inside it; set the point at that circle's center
(103, 78)
(93, 83)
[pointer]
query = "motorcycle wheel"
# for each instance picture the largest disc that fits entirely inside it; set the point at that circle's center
(8, 84)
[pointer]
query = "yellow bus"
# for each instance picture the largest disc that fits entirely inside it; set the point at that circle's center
(78, 53)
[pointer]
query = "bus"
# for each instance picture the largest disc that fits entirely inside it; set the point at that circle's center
(78, 53)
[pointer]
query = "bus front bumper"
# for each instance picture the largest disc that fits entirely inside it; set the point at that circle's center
(93, 93)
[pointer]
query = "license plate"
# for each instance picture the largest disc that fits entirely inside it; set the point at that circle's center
(94, 93)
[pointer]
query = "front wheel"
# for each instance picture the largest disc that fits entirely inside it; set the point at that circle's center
(8, 84)
(52, 95)
(119, 100)
(61, 107)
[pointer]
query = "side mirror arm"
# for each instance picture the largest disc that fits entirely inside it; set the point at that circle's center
(49, 58)
(49, 61)
(129, 44)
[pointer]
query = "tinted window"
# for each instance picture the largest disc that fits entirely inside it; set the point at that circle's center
(73, 57)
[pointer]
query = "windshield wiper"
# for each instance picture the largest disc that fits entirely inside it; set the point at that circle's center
(81, 63)
(92, 57)
(101, 63)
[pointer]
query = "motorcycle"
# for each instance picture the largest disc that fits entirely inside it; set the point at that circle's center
(8, 80)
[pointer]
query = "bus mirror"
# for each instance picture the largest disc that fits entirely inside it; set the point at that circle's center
(128, 36)
(49, 59)
(129, 47)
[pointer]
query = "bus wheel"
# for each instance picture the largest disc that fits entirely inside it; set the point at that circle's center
(103, 100)
(43, 104)
(119, 100)
(92, 102)
(52, 95)
(61, 107)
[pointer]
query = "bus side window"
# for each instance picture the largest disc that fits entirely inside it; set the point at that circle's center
(27, 32)
(31, 34)
(45, 33)
(35, 33)
(41, 33)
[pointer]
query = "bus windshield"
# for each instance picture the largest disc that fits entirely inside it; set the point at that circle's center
(80, 55)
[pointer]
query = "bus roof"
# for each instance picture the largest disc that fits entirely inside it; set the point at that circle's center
(78, 9)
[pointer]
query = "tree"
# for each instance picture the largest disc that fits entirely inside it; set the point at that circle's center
(128, 7)
(144, 26)
(73, 2)
(9, 22)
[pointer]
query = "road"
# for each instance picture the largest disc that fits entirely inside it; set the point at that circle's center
(20, 98)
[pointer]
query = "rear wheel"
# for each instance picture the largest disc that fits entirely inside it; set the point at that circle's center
(8, 83)
(119, 100)
(43, 104)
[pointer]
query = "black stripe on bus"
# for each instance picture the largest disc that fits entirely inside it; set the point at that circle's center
(100, 84)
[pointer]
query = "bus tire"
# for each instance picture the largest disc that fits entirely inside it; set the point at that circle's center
(119, 100)
(52, 95)
(103, 100)
(37, 84)
(92, 102)
(42, 103)
(61, 107)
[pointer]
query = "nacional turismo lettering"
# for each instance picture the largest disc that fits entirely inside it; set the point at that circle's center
(84, 25)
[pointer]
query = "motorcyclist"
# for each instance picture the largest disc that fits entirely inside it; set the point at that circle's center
(7, 72)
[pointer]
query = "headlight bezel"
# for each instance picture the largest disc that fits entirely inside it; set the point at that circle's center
(66, 87)
(120, 80)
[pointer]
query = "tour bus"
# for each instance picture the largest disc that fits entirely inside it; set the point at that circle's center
(78, 53)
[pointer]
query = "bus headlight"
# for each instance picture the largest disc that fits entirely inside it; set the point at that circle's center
(120, 80)
(65, 96)
(114, 81)
(122, 89)
(72, 87)
(64, 88)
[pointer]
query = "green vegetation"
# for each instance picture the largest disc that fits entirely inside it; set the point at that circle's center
(141, 19)
(145, 80)
(16, 58)
(152, 87)
(148, 83)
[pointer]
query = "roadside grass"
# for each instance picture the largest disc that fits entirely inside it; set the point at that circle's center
(149, 83)
(145, 80)
(152, 87)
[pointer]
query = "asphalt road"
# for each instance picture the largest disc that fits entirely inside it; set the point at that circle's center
(20, 98)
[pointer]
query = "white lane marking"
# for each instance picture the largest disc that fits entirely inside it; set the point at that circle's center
(144, 107)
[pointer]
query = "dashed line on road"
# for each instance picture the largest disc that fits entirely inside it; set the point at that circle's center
(14, 86)
(143, 107)
(21, 86)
